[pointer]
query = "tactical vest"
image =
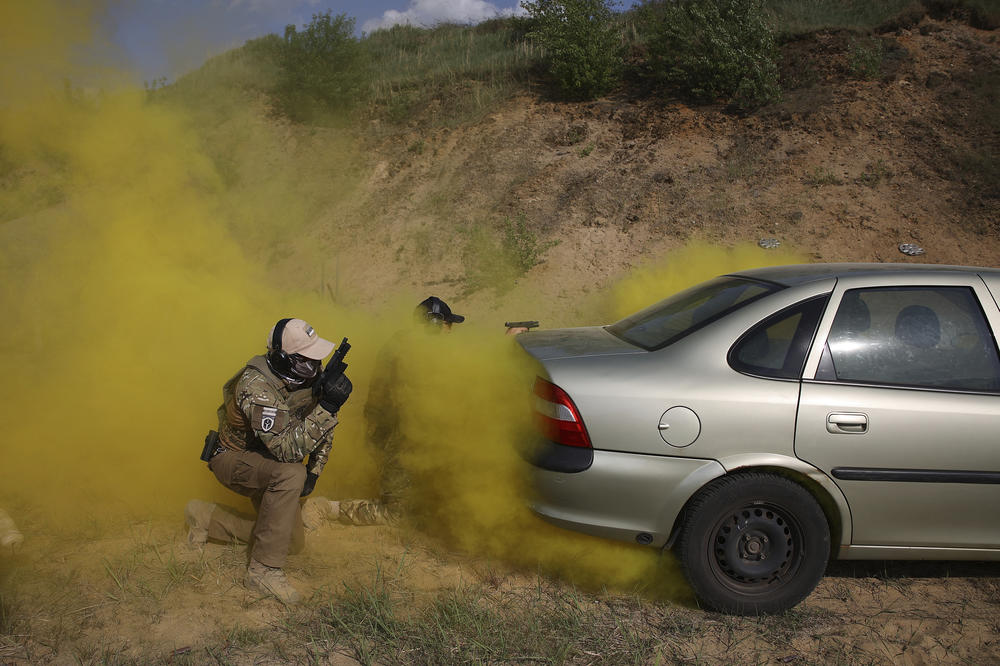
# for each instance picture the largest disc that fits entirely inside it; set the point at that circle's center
(235, 431)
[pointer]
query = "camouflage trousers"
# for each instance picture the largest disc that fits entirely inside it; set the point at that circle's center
(389, 506)
(367, 512)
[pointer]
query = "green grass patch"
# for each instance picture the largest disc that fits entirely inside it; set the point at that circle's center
(980, 169)
(876, 172)
(377, 623)
(455, 73)
(796, 17)
(821, 176)
(8, 614)
(321, 74)
(496, 257)
(864, 57)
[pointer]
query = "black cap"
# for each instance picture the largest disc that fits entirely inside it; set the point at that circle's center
(434, 309)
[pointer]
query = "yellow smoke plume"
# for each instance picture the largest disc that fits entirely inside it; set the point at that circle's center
(128, 304)
(39, 42)
(687, 267)
(463, 401)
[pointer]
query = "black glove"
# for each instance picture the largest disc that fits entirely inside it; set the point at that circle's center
(310, 483)
(335, 392)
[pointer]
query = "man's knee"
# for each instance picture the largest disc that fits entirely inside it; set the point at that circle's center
(288, 476)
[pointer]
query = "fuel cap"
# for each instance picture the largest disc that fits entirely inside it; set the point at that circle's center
(679, 427)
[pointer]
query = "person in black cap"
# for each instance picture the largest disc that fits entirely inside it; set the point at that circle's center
(432, 310)
(384, 433)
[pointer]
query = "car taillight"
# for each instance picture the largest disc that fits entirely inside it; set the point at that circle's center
(558, 417)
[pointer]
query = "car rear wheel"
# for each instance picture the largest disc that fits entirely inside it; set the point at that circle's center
(753, 543)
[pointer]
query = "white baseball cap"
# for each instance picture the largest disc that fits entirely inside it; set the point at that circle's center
(298, 337)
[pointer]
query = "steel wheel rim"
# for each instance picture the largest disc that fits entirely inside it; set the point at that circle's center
(755, 548)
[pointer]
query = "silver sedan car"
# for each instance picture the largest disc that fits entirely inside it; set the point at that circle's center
(764, 422)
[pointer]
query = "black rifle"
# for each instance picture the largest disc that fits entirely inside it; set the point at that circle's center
(521, 324)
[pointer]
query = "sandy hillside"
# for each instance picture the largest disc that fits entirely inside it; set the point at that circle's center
(843, 169)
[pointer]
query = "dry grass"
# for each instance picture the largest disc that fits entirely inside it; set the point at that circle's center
(143, 598)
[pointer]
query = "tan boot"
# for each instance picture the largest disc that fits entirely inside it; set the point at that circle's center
(198, 515)
(271, 581)
(317, 510)
(10, 536)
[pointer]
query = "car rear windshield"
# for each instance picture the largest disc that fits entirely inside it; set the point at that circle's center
(683, 313)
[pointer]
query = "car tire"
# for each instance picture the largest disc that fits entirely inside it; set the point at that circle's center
(753, 543)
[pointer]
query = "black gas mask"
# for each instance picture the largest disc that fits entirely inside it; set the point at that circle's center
(296, 370)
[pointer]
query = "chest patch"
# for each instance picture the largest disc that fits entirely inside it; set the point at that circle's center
(268, 419)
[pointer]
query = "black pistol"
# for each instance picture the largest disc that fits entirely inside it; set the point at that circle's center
(521, 324)
(334, 367)
(211, 444)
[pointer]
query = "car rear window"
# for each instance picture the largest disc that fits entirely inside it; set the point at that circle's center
(683, 313)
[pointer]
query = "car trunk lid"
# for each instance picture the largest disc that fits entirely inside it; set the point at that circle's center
(574, 342)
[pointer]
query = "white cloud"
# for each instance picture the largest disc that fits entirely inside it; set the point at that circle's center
(432, 12)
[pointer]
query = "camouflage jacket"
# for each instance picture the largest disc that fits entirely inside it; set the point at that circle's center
(259, 412)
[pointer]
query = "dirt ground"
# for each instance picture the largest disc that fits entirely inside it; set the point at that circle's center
(141, 597)
(843, 169)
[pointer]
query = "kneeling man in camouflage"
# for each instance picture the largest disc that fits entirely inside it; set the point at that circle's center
(279, 410)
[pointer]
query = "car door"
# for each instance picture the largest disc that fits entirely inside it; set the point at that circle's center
(900, 405)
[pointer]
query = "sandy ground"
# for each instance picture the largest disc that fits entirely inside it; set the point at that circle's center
(143, 597)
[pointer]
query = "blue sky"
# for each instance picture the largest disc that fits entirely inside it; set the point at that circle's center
(169, 37)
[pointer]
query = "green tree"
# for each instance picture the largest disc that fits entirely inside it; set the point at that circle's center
(583, 44)
(713, 49)
(320, 66)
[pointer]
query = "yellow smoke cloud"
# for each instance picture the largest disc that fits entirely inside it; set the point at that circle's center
(128, 303)
(463, 401)
(39, 41)
(463, 404)
(687, 267)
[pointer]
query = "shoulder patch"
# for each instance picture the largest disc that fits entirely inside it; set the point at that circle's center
(264, 418)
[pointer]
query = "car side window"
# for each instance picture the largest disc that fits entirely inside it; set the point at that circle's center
(929, 337)
(777, 346)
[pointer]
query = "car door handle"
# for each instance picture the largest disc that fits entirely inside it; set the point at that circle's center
(847, 423)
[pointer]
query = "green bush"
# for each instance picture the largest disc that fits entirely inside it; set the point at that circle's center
(865, 58)
(320, 68)
(496, 258)
(582, 42)
(713, 49)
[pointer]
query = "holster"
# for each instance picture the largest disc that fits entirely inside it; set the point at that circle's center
(211, 443)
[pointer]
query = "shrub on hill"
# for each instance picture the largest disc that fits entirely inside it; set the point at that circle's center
(713, 49)
(319, 67)
(583, 45)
